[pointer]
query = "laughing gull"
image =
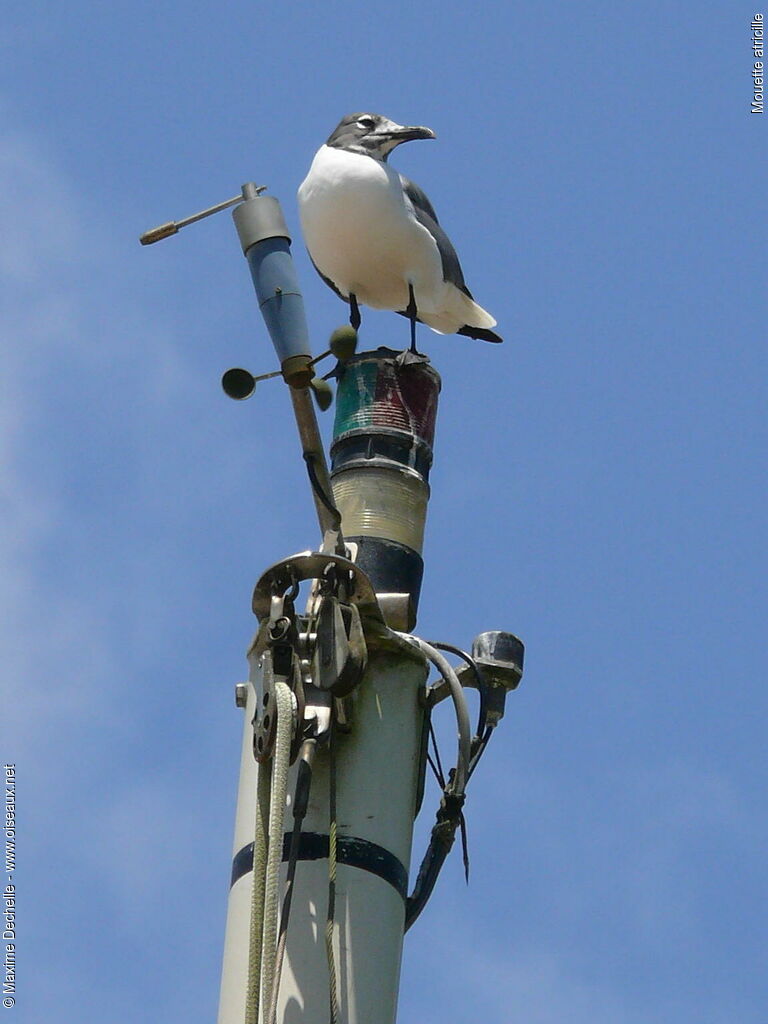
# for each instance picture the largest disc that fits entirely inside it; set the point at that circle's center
(373, 235)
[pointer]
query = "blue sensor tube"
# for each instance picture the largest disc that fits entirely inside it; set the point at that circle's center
(280, 301)
(267, 246)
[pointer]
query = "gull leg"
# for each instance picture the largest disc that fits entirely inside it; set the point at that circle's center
(411, 311)
(410, 355)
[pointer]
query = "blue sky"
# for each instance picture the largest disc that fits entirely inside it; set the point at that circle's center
(599, 487)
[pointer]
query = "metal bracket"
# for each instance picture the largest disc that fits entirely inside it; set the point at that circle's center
(264, 717)
(314, 565)
(280, 660)
(344, 623)
(499, 657)
(340, 655)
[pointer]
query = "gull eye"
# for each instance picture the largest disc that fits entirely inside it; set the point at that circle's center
(366, 122)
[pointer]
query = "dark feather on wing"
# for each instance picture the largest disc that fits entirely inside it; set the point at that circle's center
(426, 216)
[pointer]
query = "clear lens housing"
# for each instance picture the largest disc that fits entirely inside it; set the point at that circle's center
(380, 502)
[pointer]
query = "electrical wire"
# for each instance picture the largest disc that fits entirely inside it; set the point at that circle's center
(482, 686)
(439, 769)
(449, 814)
(449, 818)
(460, 774)
(317, 487)
(480, 749)
(484, 728)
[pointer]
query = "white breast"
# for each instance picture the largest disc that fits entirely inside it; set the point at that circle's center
(361, 236)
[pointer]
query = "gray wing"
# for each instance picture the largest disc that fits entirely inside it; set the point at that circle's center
(426, 216)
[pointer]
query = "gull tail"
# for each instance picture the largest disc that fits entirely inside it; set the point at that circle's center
(461, 315)
(481, 333)
(477, 321)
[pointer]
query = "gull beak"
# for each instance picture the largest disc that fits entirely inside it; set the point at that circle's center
(401, 133)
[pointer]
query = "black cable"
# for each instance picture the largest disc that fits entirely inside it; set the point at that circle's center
(479, 678)
(464, 846)
(484, 730)
(450, 815)
(438, 773)
(433, 766)
(439, 770)
(481, 747)
(448, 819)
(309, 458)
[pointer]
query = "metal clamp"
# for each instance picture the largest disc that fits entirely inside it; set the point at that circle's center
(313, 565)
(340, 654)
(280, 661)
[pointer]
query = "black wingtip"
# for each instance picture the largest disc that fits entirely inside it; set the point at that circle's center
(480, 333)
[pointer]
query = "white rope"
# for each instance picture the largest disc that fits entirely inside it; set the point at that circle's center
(280, 765)
(267, 856)
(257, 895)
